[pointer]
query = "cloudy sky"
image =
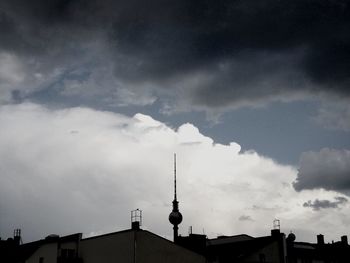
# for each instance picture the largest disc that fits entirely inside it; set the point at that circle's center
(253, 96)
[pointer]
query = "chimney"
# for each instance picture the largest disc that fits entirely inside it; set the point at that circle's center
(135, 225)
(320, 239)
(344, 240)
(17, 236)
(275, 233)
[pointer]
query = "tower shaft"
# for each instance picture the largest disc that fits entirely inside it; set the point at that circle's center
(175, 197)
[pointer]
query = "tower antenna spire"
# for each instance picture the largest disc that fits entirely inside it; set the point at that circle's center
(175, 197)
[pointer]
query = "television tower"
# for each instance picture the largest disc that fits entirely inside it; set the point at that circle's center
(175, 216)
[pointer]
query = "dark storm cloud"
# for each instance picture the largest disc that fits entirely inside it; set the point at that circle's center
(222, 53)
(322, 204)
(328, 169)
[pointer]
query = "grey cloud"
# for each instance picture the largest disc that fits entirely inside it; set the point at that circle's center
(334, 116)
(245, 218)
(323, 204)
(16, 96)
(256, 207)
(328, 169)
(249, 52)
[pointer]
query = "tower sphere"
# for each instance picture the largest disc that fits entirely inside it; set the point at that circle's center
(175, 218)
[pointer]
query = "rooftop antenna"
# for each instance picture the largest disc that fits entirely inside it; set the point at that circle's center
(175, 216)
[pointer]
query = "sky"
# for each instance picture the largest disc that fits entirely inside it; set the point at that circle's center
(97, 96)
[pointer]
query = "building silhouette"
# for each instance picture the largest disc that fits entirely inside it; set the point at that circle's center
(130, 246)
(275, 248)
(141, 246)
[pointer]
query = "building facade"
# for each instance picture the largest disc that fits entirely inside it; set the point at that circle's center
(129, 246)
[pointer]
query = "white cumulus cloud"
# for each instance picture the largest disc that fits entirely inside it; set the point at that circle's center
(83, 170)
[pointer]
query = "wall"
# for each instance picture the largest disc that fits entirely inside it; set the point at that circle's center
(115, 247)
(47, 251)
(125, 246)
(271, 253)
(152, 248)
